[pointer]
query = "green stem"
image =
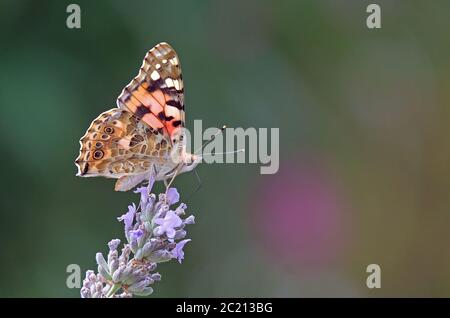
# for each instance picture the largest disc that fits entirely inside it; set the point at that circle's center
(113, 290)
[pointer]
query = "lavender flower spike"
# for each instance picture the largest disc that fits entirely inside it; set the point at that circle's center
(167, 224)
(154, 234)
(177, 252)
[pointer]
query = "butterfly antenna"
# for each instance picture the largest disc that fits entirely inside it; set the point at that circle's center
(191, 195)
(225, 153)
(211, 139)
(198, 180)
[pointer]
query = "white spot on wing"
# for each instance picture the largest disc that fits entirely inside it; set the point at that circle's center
(169, 82)
(124, 143)
(155, 75)
(172, 111)
(177, 84)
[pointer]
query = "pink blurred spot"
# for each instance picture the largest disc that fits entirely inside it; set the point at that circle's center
(300, 218)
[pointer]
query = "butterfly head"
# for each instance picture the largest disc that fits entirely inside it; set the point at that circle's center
(190, 161)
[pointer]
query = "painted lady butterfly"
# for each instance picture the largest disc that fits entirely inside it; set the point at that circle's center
(144, 136)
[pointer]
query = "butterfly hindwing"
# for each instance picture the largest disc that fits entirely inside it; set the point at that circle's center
(117, 143)
(156, 94)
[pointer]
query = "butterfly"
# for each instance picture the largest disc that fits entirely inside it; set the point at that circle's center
(143, 138)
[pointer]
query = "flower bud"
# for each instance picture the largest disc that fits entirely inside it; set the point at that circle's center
(160, 256)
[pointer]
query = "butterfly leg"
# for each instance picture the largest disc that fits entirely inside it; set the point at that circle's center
(172, 179)
(151, 178)
(199, 186)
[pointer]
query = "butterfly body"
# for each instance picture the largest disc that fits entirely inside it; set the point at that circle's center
(144, 136)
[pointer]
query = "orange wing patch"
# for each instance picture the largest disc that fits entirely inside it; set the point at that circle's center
(156, 94)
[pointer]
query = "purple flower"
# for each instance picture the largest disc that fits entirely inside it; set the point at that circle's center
(144, 191)
(189, 220)
(172, 196)
(113, 244)
(136, 234)
(178, 252)
(128, 217)
(168, 224)
(153, 234)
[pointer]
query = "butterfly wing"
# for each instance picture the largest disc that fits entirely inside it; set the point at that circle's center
(156, 94)
(118, 144)
(126, 142)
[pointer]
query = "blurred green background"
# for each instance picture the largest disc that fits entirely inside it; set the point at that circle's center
(363, 117)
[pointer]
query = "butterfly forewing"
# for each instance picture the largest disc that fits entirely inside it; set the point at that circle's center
(156, 94)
